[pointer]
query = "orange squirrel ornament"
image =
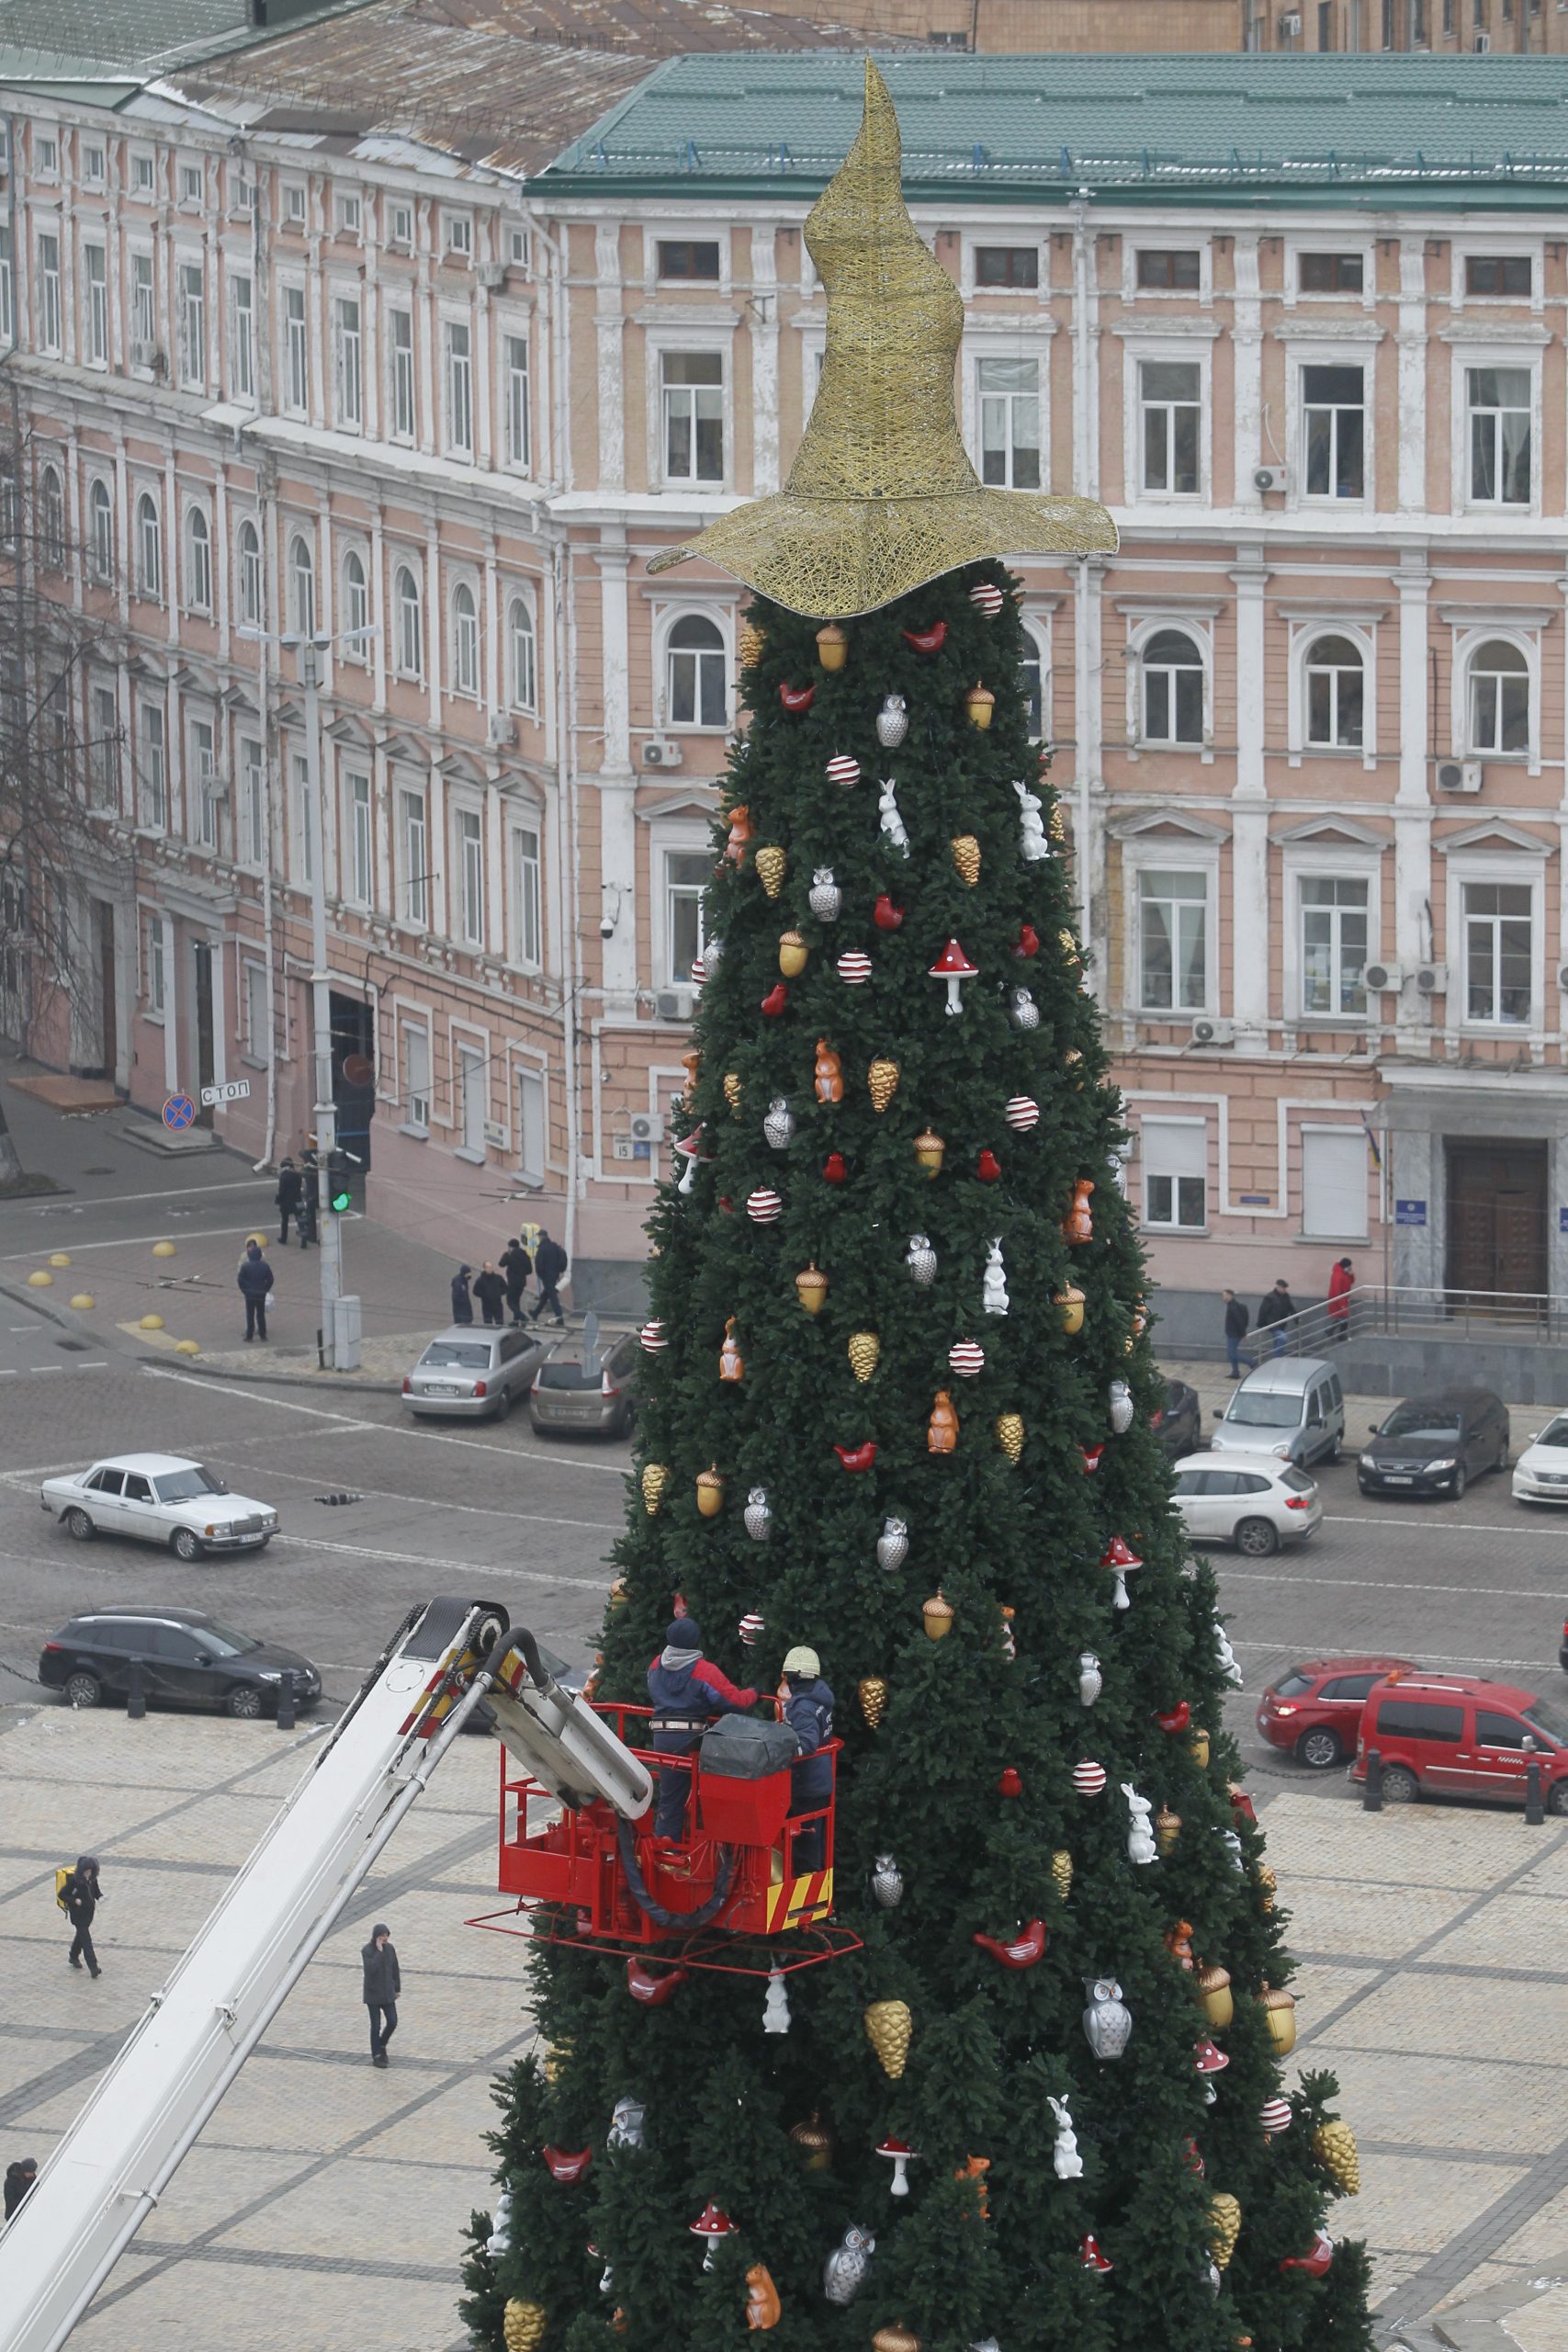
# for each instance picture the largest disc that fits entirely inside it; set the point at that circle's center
(941, 1431)
(828, 1073)
(1077, 1225)
(731, 1363)
(764, 2308)
(739, 833)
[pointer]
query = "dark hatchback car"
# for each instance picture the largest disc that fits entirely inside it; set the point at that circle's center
(1435, 1444)
(191, 1660)
(1178, 1422)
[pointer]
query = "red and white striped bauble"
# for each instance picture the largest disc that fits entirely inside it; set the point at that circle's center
(854, 967)
(1088, 1779)
(699, 971)
(654, 1338)
(966, 1357)
(751, 1626)
(987, 598)
(1022, 1113)
(841, 769)
(1275, 2115)
(764, 1205)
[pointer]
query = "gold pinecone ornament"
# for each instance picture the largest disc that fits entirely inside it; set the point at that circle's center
(751, 641)
(1224, 2227)
(1009, 1434)
(772, 867)
(873, 1699)
(881, 1078)
(732, 1090)
(864, 1349)
(1334, 2146)
(889, 2027)
(655, 1478)
(966, 857)
(1061, 1872)
(524, 2325)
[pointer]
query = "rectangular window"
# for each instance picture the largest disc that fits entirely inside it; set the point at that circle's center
(1170, 399)
(190, 183)
(347, 212)
(1174, 1156)
(459, 389)
(1014, 266)
(294, 206)
(401, 230)
(142, 175)
(204, 778)
(297, 379)
(1498, 958)
(95, 304)
(520, 248)
(1449, 17)
(528, 915)
(143, 318)
(157, 969)
(350, 380)
(519, 419)
(416, 1077)
(693, 384)
(48, 157)
(49, 293)
(243, 356)
(1508, 274)
(1334, 430)
(258, 1013)
(361, 876)
(7, 315)
(400, 328)
(304, 814)
(193, 326)
(1168, 271)
(1173, 927)
(1325, 24)
(686, 876)
(1334, 1184)
(457, 236)
(154, 772)
(1329, 273)
(103, 746)
(93, 164)
(1334, 944)
(531, 1125)
(471, 851)
(253, 807)
(1499, 404)
(1008, 394)
(416, 860)
(688, 257)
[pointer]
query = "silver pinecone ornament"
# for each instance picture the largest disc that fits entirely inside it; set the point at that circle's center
(712, 950)
(824, 898)
(1022, 1010)
(887, 1883)
(920, 1258)
(893, 721)
(759, 1515)
(1106, 2022)
(1121, 1406)
(848, 2268)
(779, 1124)
(893, 1544)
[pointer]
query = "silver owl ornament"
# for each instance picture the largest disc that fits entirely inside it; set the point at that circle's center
(625, 2123)
(1022, 1010)
(759, 1515)
(848, 2268)
(824, 898)
(1120, 1407)
(887, 1883)
(893, 1544)
(779, 1124)
(1106, 2022)
(1091, 1682)
(920, 1258)
(893, 721)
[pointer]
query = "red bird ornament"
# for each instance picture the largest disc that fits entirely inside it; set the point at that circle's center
(857, 1458)
(797, 697)
(927, 640)
(1024, 1950)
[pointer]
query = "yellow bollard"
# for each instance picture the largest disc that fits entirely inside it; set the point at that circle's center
(82, 1301)
(59, 1258)
(163, 1248)
(38, 1280)
(151, 1323)
(186, 1348)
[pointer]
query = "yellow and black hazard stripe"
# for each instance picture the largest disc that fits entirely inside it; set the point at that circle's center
(800, 1902)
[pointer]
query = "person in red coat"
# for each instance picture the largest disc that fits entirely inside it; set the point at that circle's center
(1341, 1282)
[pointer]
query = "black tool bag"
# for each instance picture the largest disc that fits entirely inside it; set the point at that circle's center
(743, 1747)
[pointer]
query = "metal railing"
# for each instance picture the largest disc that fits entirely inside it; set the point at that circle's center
(1378, 1309)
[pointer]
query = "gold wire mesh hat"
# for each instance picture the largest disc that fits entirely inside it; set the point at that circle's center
(882, 496)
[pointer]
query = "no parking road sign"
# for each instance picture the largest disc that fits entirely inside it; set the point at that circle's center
(179, 1111)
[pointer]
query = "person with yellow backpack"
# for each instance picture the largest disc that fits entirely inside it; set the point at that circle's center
(78, 1894)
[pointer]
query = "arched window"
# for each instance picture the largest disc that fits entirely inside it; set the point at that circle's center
(464, 641)
(1499, 697)
(1335, 678)
(410, 627)
(1173, 689)
(695, 680)
(100, 530)
(149, 547)
(199, 563)
(51, 518)
(522, 656)
(250, 576)
(302, 587)
(356, 601)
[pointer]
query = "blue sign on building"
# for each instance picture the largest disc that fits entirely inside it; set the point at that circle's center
(1410, 1212)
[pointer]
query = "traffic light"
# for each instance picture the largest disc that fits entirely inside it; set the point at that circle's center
(338, 1195)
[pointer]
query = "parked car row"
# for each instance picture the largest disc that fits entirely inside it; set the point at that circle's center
(587, 1385)
(1436, 1735)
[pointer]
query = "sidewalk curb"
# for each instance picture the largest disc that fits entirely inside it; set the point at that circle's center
(287, 1379)
(39, 1303)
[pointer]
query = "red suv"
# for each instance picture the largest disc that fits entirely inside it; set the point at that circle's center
(1313, 1710)
(1453, 1735)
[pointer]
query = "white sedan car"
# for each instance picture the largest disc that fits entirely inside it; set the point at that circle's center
(1249, 1499)
(1541, 1474)
(161, 1498)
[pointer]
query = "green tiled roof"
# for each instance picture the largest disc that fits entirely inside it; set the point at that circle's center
(1364, 131)
(130, 33)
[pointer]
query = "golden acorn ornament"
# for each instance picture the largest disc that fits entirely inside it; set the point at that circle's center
(978, 703)
(929, 1150)
(894, 2338)
(655, 1478)
(815, 2141)
(864, 1348)
(522, 2324)
(1224, 2227)
(710, 1491)
(832, 647)
(1009, 1434)
(936, 1616)
(1334, 2146)
(1214, 1992)
(966, 857)
(882, 1079)
(1070, 1306)
(1168, 1828)
(792, 953)
(772, 867)
(873, 1699)
(811, 1287)
(1198, 1747)
(1061, 1872)
(889, 2027)
(751, 641)
(1279, 2015)
(732, 1090)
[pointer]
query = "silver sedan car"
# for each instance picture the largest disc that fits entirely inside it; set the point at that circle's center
(472, 1373)
(161, 1499)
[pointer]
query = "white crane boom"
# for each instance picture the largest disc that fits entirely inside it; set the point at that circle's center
(113, 2164)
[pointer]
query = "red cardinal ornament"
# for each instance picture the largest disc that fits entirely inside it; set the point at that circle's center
(775, 1001)
(885, 915)
(653, 1987)
(1027, 941)
(989, 1167)
(1025, 1949)
(1315, 2261)
(833, 1169)
(797, 697)
(857, 1458)
(927, 640)
(1011, 1781)
(1175, 1719)
(565, 2164)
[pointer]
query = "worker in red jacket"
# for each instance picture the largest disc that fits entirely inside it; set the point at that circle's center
(688, 1693)
(1341, 1282)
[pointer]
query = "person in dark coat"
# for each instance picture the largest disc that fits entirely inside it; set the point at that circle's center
(254, 1279)
(383, 1983)
(516, 1266)
(19, 2178)
(806, 1704)
(688, 1694)
(462, 1305)
(550, 1263)
(82, 1896)
(1235, 1332)
(1272, 1311)
(290, 1185)
(490, 1289)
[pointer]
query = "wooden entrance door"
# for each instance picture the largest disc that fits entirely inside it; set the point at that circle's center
(1496, 1218)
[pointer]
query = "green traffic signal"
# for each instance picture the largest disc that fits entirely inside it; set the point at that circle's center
(341, 1198)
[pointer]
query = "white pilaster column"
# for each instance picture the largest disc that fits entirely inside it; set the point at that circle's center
(1247, 358)
(608, 329)
(1413, 339)
(1413, 803)
(1249, 811)
(617, 780)
(764, 360)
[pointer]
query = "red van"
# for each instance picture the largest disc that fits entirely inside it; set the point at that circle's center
(1454, 1734)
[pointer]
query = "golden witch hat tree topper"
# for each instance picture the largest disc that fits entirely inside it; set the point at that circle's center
(882, 496)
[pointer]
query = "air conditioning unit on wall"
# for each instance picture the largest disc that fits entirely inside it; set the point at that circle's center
(659, 751)
(1381, 977)
(1432, 979)
(1457, 775)
(1270, 480)
(1213, 1029)
(647, 1127)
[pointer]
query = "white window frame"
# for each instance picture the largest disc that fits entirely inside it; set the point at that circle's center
(1312, 860)
(415, 1074)
(293, 205)
(518, 389)
(1345, 353)
(301, 811)
(355, 604)
(468, 859)
(456, 236)
(1467, 644)
(348, 214)
(201, 772)
(402, 376)
(1019, 240)
(249, 575)
(104, 742)
(360, 830)
(406, 566)
(157, 990)
(257, 1018)
(1179, 855)
(671, 838)
(1497, 247)
(464, 641)
(1141, 634)
(981, 356)
(242, 332)
(7, 288)
(1199, 297)
(1148, 1126)
(1467, 869)
(189, 170)
(95, 161)
(672, 229)
(1037, 633)
(304, 622)
(46, 248)
(414, 886)
(1304, 634)
(293, 354)
(688, 341)
(1339, 1129)
(143, 306)
(95, 304)
(720, 617)
(191, 303)
(531, 1101)
(250, 842)
(152, 768)
(522, 693)
(150, 576)
(1495, 354)
(143, 178)
(458, 416)
(400, 223)
(526, 869)
(1159, 351)
(199, 560)
(1330, 241)
(100, 540)
(348, 360)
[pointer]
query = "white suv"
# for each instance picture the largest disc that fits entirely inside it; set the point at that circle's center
(1247, 1499)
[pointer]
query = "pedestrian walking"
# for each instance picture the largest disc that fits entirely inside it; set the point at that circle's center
(254, 1279)
(1272, 1310)
(549, 1269)
(383, 1983)
(1341, 1282)
(516, 1266)
(490, 1289)
(82, 1895)
(462, 1304)
(290, 1185)
(1235, 1332)
(19, 2178)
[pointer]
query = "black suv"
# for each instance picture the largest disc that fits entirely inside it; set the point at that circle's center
(190, 1658)
(1435, 1444)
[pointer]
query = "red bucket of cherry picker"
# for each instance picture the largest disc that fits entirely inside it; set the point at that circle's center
(744, 1779)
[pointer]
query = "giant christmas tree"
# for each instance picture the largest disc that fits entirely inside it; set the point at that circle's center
(896, 1408)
